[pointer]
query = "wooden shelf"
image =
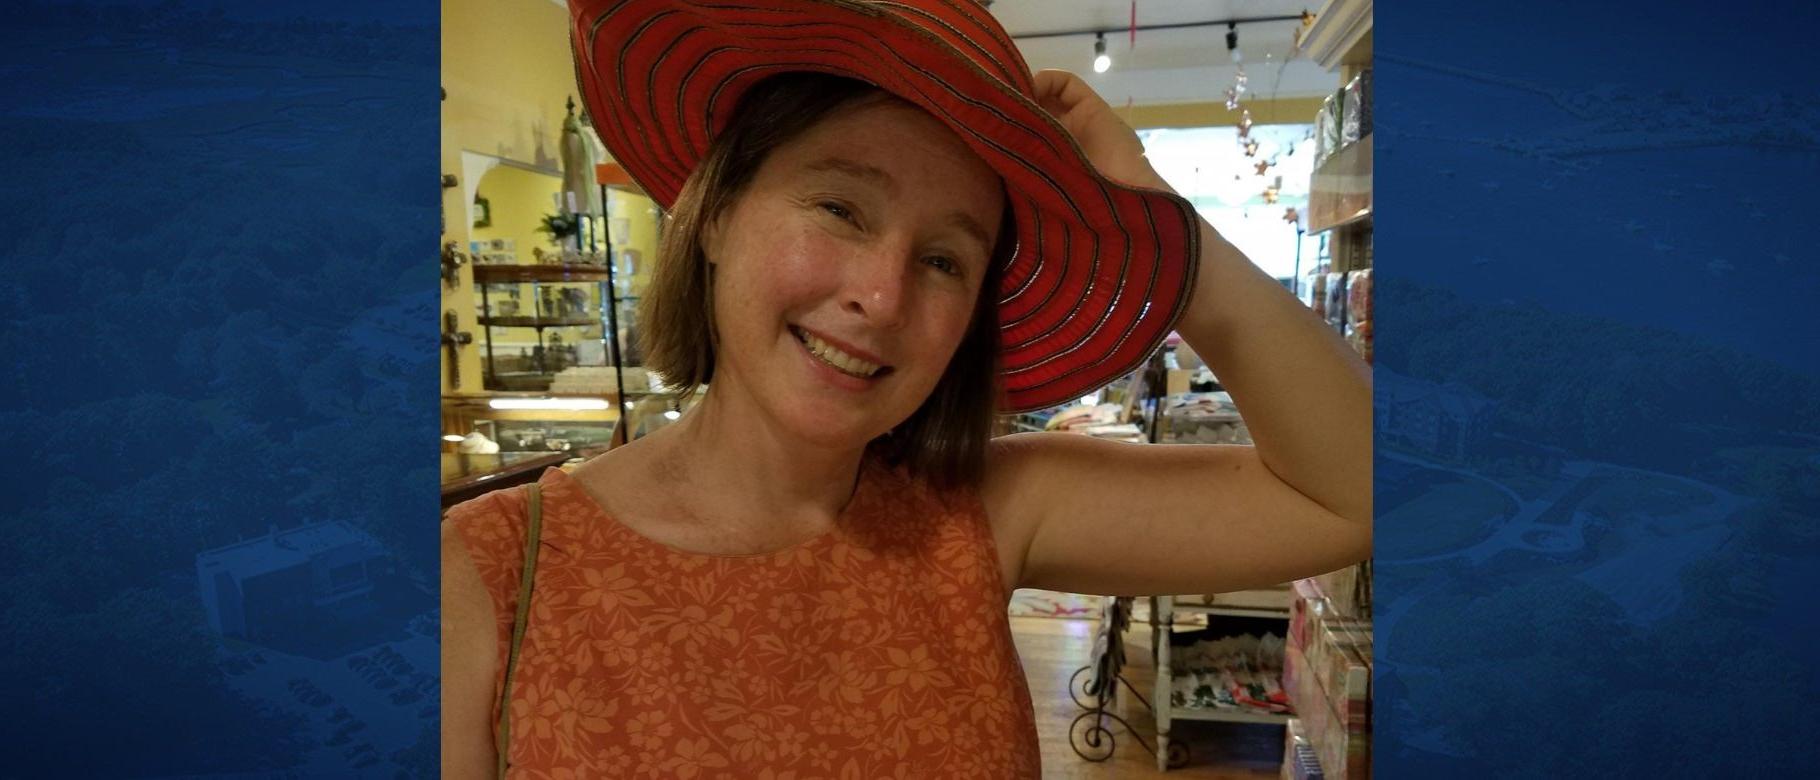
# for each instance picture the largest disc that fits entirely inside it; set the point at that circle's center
(538, 322)
(1340, 194)
(492, 274)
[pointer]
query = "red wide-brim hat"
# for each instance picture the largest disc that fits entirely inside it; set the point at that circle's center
(1102, 270)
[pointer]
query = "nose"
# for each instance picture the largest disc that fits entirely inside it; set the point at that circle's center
(877, 286)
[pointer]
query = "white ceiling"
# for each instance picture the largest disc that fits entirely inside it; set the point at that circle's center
(1169, 66)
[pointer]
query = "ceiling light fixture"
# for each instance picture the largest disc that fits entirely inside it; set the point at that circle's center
(1232, 41)
(1101, 62)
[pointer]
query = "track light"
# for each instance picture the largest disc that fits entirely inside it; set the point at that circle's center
(1232, 42)
(1100, 61)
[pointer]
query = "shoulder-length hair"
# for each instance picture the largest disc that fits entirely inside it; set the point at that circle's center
(944, 440)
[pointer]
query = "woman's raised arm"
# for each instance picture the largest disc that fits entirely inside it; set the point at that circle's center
(1098, 517)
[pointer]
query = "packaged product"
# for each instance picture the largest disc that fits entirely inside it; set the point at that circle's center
(1336, 299)
(1299, 759)
(1331, 108)
(1358, 296)
(1325, 143)
(1355, 109)
(1358, 334)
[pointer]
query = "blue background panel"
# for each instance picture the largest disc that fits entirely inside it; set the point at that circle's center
(1597, 397)
(221, 311)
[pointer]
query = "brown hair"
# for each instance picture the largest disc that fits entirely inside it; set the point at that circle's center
(944, 440)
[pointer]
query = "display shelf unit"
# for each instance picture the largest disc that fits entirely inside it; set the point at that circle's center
(540, 371)
(1095, 685)
(1162, 622)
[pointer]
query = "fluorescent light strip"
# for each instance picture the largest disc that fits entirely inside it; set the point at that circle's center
(562, 404)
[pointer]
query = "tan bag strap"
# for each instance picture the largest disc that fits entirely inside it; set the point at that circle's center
(504, 733)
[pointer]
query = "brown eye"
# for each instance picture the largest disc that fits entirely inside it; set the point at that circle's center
(837, 210)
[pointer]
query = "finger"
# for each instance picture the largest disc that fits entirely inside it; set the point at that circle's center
(1065, 88)
(1055, 90)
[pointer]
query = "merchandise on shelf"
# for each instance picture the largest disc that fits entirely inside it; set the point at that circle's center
(1102, 421)
(1327, 129)
(1299, 759)
(1358, 312)
(1234, 672)
(1358, 296)
(1202, 418)
(1327, 672)
(1346, 590)
(1317, 292)
(1335, 311)
(1355, 109)
(1359, 336)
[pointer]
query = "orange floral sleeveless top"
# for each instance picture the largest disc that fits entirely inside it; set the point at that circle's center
(880, 649)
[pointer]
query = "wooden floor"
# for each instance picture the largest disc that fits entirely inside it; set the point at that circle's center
(1053, 649)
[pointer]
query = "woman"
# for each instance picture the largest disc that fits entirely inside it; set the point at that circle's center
(807, 574)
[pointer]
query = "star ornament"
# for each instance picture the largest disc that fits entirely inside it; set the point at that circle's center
(1251, 148)
(1291, 216)
(1262, 166)
(1270, 195)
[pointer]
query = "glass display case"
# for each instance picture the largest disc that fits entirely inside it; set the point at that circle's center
(541, 319)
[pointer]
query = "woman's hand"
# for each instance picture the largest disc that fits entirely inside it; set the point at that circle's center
(1111, 145)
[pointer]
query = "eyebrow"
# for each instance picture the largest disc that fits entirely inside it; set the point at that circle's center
(857, 170)
(878, 177)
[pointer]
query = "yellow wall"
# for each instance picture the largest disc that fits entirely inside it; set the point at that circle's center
(519, 199)
(640, 217)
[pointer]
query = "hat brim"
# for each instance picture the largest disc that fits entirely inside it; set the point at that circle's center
(1102, 270)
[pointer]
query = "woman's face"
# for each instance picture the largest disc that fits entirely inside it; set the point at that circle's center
(847, 271)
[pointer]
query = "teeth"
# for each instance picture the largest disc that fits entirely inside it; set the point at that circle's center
(836, 358)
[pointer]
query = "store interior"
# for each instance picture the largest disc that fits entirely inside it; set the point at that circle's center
(1257, 111)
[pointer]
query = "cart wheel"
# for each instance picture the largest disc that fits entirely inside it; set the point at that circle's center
(1089, 739)
(1177, 754)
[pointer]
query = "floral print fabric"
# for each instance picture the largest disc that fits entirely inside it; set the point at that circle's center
(881, 649)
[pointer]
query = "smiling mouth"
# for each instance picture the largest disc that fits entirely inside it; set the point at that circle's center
(836, 359)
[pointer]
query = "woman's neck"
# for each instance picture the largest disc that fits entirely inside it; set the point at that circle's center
(740, 465)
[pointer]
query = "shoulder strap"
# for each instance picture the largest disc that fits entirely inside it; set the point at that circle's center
(504, 733)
